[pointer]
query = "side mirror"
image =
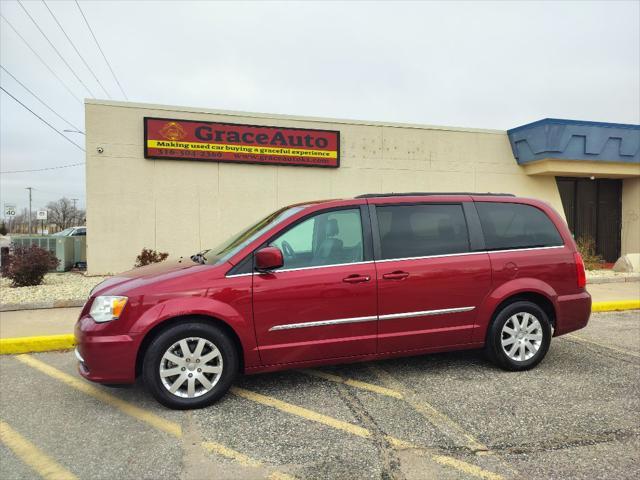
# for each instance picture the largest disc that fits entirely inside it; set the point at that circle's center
(269, 258)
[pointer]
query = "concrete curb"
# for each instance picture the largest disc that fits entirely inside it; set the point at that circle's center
(48, 343)
(620, 279)
(12, 307)
(36, 344)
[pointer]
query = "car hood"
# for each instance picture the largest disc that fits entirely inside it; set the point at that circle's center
(142, 276)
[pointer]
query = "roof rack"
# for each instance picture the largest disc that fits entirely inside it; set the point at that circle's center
(421, 194)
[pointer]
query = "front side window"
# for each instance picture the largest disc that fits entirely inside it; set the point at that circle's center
(422, 230)
(515, 225)
(329, 238)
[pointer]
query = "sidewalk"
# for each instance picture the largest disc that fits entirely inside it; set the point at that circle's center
(60, 321)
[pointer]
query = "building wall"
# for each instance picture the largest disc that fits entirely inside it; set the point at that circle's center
(185, 206)
(630, 216)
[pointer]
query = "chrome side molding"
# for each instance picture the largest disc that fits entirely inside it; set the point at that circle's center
(323, 323)
(391, 316)
(425, 313)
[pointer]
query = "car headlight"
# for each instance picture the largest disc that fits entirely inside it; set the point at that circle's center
(107, 308)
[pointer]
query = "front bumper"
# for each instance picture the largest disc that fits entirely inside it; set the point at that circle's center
(573, 312)
(104, 356)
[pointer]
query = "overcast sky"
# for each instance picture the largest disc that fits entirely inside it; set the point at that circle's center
(469, 64)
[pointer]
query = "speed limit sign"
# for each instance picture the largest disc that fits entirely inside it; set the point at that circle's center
(9, 210)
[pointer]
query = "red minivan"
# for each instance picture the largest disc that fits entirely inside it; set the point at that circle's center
(376, 276)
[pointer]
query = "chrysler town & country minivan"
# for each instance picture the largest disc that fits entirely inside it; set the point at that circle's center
(336, 281)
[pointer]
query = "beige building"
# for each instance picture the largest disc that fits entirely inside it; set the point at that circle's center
(184, 206)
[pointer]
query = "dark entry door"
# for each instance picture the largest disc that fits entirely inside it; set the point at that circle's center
(593, 209)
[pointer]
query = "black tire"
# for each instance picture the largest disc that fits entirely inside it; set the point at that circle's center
(166, 339)
(494, 348)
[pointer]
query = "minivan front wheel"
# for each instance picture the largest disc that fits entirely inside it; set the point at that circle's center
(519, 336)
(190, 365)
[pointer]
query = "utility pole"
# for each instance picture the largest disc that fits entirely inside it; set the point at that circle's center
(75, 210)
(29, 213)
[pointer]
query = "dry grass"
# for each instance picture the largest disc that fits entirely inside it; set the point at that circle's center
(587, 249)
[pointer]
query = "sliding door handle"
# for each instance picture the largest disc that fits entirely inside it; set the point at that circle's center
(397, 275)
(355, 278)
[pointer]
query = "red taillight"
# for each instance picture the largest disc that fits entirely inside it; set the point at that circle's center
(582, 276)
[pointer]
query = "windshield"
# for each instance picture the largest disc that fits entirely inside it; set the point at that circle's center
(233, 245)
(64, 233)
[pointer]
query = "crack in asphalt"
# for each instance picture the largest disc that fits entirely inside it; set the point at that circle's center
(538, 447)
(390, 462)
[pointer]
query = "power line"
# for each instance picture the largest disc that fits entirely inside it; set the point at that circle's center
(55, 49)
(41, 60)
(43, 169)
(38, 98)
(77, 51)
(99, 48)
(42, 120)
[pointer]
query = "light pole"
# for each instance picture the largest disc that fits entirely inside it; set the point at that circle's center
(29, 213)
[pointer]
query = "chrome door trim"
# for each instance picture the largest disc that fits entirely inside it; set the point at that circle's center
(524, 249)
(430, 256)
(467, 253)
(425, 313)
(323, 323)
(234, 275)
(321, 266)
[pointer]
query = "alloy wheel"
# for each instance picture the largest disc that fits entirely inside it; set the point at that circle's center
(521, 336)
(191, 367)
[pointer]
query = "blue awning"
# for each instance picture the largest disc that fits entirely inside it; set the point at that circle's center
(556, 139)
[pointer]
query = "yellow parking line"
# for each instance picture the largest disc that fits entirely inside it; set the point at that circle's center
(353, 383)
(359, 431)
(152, 419)
(142, 415)
(44, 465)
(609, 347)
(438, 419)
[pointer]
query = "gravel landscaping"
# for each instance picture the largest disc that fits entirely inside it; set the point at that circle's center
(56, 287)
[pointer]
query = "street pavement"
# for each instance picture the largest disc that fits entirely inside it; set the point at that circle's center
(450, 416)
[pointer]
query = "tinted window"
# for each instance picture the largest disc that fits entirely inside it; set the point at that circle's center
(329, 238)
(422, 230)
(514, 225)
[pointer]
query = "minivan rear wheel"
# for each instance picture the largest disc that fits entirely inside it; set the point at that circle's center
(519, 336)
(190, 365)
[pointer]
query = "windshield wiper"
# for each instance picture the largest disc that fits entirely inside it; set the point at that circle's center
(199, 257)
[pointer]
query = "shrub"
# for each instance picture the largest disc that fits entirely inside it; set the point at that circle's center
(3, 229)
(27, 266)
(587, 248)
(148, 256)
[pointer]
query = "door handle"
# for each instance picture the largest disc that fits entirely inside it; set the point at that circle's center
(355, 278)
(397, 275)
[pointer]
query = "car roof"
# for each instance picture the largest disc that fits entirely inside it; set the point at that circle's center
(439, 194)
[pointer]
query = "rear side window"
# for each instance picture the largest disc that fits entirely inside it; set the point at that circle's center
(514, 225)
(421, 230)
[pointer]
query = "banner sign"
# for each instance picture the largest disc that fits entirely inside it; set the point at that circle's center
(225, 142)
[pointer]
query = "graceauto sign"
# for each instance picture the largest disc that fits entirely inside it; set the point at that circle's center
(166, 138)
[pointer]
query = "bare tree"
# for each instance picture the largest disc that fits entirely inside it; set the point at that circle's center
(63, 214)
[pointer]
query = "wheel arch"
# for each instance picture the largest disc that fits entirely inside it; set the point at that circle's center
(170, 322)
(532, 290)
(534, 297)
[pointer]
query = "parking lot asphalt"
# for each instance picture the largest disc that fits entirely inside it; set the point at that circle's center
(451, 416)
